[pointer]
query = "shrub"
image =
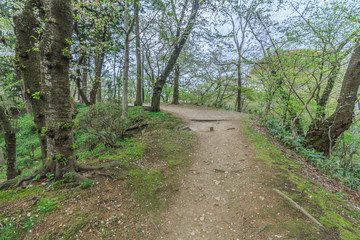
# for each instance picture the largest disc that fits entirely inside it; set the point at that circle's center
(104, 121)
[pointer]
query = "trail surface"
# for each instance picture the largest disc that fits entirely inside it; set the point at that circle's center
(227, 194)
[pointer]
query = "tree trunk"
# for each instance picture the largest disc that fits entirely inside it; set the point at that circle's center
(56, 86)
(2, 159)
(138, 101)
(84, 81)
(96, 89)
(160, 82)
(28, 62)
(238, 99)
(323, 136)
(176, 85)
(126, 62)
(10, 144)
(320, 111)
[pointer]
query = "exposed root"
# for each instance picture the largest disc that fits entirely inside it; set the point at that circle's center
(7, 184)
(90, 168)
(14, 183)
(79, 178)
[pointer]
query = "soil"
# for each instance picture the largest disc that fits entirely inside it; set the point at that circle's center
(228, 194)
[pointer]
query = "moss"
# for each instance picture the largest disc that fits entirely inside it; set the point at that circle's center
(13, 195)
(330, 209)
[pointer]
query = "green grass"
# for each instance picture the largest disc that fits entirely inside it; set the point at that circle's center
(147, 184)
(329, 208)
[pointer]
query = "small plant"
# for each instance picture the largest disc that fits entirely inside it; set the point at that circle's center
(37, 178)
(50, 176)
(46, 205)
(68, 177)
(43, 131)
(87, 184)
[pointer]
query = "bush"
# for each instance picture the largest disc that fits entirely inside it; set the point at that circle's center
(104, 121)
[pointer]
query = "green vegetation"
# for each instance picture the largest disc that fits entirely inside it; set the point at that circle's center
(329, 208)
(153, 159)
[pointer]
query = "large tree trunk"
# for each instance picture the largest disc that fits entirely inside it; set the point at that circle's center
(28, 61)
(10, 144)
(323, 136)
(126, 62)
(138, 101)
(55, 86)
(160, 82)
(176, 85)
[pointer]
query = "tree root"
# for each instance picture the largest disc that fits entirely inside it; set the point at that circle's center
(14, 183)
(79, 178)
(89, 168)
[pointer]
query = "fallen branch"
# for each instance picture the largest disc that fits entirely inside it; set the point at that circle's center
(299, 207)
(157, 229)
(89, 168)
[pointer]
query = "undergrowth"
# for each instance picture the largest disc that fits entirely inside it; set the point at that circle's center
(329, 166)
(152, 157)
(330, 209)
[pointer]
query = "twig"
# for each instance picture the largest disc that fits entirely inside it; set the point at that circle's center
(243, 218)
(157, 229)
(260, 230)
(298, 207)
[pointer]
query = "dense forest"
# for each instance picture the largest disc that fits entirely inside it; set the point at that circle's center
(79, 78)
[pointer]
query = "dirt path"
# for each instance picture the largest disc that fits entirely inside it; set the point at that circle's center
(227, 194)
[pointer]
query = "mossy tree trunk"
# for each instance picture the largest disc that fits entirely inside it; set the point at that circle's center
(10, 144)
(160, 82)
(323, 136)
(55, 56)
(28, 62)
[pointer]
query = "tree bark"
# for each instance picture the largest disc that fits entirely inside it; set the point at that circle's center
(10, 144)
(2, 159)
(238, 99)
(96, 89)
(176, 85)
(28, 62)
(323, 137)
(320, 110)
(138, 101)
(126, 61)
(56, 86)
(160, 82)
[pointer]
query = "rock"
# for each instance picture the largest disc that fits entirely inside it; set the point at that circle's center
(262, 198)
(187, 129)
(192, 233)
(216, 182)
(217, 198)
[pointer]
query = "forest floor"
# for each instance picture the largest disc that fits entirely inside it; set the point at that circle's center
(176, 184)
(228, 193)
